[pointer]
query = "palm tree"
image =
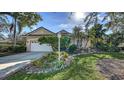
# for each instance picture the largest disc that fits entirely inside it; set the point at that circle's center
(77, 35)
(97, 34)
(3, 25)
(21, 20)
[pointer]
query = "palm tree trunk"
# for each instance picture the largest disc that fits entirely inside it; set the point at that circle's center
(14, 33)
(86, 43)
(78, 43)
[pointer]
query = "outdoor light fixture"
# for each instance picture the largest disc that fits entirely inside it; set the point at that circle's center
(59, 36)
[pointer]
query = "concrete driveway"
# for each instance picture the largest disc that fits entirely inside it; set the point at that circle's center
(9, 64)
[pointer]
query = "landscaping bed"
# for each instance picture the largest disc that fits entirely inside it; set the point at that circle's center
(10, 50)
(82, 67)
(111, 68)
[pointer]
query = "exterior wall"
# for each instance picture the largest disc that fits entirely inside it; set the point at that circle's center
(36, 47)
(84, 41)
(29, 40)
(32, 44)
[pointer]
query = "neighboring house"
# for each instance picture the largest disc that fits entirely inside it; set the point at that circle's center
(64, 33)
(84, 42)
(32, 43)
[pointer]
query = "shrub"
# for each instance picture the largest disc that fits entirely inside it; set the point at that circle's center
(64, 55)
(38, 63)
(18, 49)
(52, 40)
(114, 49)
(72, 48)
(65, 42)
(48, 60)
(3, 49)
(103, 47)
(108, 48)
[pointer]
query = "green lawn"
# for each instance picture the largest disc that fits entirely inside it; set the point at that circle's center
(82, 68)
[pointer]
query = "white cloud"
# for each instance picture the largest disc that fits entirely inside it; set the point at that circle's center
(78, 16)
(34, 27)
(64, 26)
(72, 22)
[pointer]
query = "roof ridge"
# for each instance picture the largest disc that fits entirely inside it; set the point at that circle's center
(63, 30)
(39, 28)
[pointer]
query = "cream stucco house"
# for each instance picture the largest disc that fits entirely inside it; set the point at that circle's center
(32, 43)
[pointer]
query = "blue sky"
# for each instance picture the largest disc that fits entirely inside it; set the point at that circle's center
(54, 21)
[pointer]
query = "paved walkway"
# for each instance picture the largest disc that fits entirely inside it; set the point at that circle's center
(10, 64)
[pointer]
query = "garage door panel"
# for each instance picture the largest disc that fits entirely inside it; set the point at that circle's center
(43, 47)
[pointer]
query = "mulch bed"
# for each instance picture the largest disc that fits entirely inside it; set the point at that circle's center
(112, 69)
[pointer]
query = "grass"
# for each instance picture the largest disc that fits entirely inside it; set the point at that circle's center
(82, 68)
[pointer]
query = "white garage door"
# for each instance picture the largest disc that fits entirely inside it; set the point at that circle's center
(43, 47)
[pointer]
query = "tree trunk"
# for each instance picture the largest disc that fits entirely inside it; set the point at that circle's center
(81, 43)
(86, 43)
(14, 33)
(78, 41)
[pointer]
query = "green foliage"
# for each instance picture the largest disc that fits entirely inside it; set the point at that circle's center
(52, 40)
(4, 48)
(4, 24)
(65, 42)
(21, 20)
(116, 38)
(77, 35)
(38, 63)
(18, 49)
(72, 48)
(103, 47)
(46, 59)
(111, 43)
(83, 68)
(96, 35)
(24, 18)
(64, 55)
(107, 47)
(10, 48)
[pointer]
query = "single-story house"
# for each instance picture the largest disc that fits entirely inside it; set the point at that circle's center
(64, 33)
(32, 43)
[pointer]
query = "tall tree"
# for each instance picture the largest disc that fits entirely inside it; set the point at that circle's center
(21, 20)
(114, 21)
(77, 35)
(97, 34)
